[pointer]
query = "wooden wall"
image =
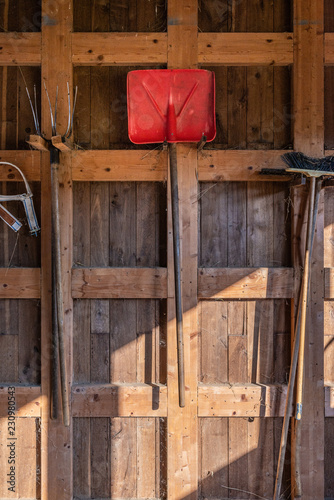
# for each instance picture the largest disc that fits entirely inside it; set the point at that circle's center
(242, 242)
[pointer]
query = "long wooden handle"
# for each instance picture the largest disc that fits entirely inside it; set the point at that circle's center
(177, 272)
(315, 189)
(313, 206)
(58, 279)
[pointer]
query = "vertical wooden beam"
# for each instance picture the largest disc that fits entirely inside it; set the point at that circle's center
(182, 422)
(308, 95)
(56, 70)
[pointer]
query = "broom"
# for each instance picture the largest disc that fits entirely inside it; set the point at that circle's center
(314, 168)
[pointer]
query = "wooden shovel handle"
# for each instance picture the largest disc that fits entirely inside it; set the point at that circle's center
(177, 272)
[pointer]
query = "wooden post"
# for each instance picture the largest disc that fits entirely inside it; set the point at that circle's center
(56, 70)
(308, 95)
(182, 422)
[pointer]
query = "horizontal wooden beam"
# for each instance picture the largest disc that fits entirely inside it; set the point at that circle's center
(20, 49)
(329, 401)
(239, 165)
(119, 400)
(246, 283)
(241, 400)
(27, 400)
(329, 283)
(151, 165)
(107, 49)
(91, 49)
(28, 161)
(119, 165)
(245, 49)
(119, 283)
(20, 283)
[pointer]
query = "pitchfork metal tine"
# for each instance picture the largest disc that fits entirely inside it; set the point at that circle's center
(33, 112)
(51, 112)
(69, 110)
(55, 129)
(72, 115)
(38, 130)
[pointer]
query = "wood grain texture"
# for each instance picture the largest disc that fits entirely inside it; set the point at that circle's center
(118, 49)
(245, 49)
(57, 463)
(308, 95)
(22, 49)
(28, 162)
(119, 165)
(20, 283)
(118, 283)
(27, 399)
(182, 427)
(218, 166)
(329, 283)
(119, 400)
(241, 400)
(246, 283)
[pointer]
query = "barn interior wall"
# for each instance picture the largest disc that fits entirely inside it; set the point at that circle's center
(242, 240)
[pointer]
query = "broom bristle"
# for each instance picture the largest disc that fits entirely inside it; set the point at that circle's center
(300, 161)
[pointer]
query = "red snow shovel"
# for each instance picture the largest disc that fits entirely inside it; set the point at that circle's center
(172, 106)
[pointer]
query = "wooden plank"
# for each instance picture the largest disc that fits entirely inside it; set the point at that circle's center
(118, 165)
(246, 283)
(245, 49)
(28, 401)
(241, 400)
(107, 49)
(116, 399)
(308, 110)
(329, 401)
(81, 458)
(123, 457)
(218, 166)
(57, 458)
(146, 459)
(213, 466)
(20, 283)
(182, 427)
(329, 283)
(260, 126)
(213, 342)
(22, 49)
(100, 457)
(329, 456)
(214, 226)
(29, 362)
(130, 283)
(329, 49)
(27, 458)
(123, 336)
(261, 456)
(238, 457)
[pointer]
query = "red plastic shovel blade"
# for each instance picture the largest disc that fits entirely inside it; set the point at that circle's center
(173, 105)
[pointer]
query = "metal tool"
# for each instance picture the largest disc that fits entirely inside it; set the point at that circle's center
(58, 340)
(26, 199)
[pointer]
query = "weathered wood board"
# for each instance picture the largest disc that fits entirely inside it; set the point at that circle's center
(239, 273)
